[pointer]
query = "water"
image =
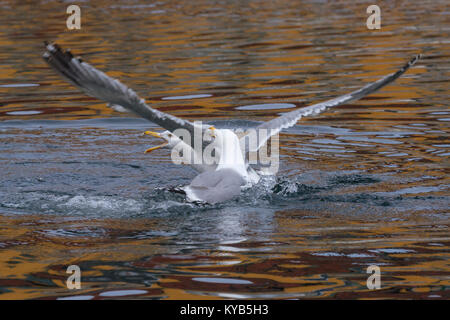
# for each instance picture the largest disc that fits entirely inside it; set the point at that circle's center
(361, 184)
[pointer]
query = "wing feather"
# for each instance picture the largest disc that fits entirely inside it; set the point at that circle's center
(267, 129)
(97, 84)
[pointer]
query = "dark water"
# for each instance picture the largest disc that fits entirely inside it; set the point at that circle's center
(362, 184)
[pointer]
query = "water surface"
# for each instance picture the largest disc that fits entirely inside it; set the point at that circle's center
(361, 184)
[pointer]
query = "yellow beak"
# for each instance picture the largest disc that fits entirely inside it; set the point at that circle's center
(153, 133)
(157, 135)
(157, 147)
(213, 135)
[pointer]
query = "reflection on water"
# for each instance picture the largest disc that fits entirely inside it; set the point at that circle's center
(362, 184)
(230, 254)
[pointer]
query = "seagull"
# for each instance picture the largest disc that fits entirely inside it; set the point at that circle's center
(230, 172)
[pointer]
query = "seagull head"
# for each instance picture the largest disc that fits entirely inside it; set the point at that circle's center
(171, 140)
(211, 134)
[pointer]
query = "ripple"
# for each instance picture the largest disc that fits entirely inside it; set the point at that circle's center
(414, 190)
(223, 280)
(327, 254)
(19, 85)
(86, 297)
(77, 188)
(391, 250)
(359, 255)
(267, 106)
(75, 233)
(367, 139)
(23, 113)
(122, 293)
(188, 97)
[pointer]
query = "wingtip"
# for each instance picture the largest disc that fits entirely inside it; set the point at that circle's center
(415, 59)
(47, 54)
(53, 49)
(411, 62)
(49, 45)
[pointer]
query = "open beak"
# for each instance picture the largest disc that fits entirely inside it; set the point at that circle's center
(156, 135)
(213, 135)
(153, 133)
(157, 147)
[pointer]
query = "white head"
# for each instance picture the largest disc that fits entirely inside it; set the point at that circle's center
(171, 140)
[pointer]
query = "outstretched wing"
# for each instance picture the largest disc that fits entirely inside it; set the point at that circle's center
(274, 126)
(99, 85)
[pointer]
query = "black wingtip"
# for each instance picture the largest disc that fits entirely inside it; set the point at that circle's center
(56, 52)
(410, 63)
(69, 53)
(60, 60)
(415, 59)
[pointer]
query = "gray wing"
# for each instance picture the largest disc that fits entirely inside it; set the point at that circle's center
(97, 84)
(289, 119)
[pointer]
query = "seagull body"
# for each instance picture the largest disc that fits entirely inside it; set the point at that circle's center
(224, 178)
(231, 172)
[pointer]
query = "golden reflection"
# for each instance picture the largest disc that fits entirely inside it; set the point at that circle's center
(242, 53)
(297, 266)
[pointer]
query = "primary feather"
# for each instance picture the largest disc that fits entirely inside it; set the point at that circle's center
(267, 129)
(97, 84)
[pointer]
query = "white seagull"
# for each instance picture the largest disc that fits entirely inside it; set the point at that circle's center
(218, 181)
